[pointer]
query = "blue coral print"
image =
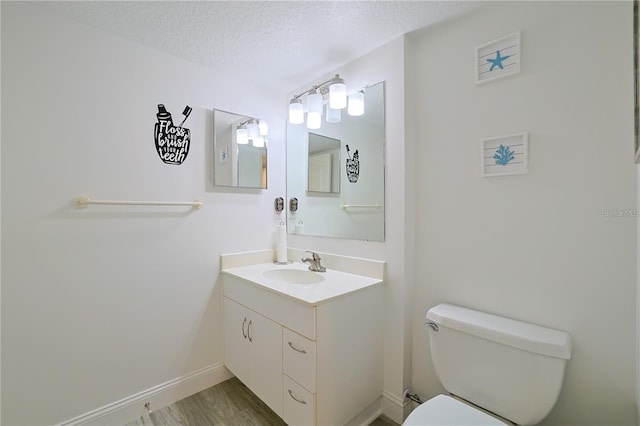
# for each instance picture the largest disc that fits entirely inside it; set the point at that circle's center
(503, 155)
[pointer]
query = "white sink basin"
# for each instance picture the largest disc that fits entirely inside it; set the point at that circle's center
(294, 276)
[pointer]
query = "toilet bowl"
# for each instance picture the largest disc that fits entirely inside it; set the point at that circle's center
(498, 371)
(445, 410)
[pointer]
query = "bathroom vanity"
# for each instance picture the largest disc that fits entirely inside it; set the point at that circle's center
(308, 344)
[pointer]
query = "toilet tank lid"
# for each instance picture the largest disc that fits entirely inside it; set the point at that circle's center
(518, 334)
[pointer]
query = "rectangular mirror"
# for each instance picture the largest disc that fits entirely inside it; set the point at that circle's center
(323, 164)
(339, 195)
(239, 151)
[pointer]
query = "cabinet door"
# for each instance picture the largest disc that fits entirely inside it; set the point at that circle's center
(265, 365)
(236, 344)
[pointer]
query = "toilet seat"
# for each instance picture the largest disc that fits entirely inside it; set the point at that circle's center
(445, 410)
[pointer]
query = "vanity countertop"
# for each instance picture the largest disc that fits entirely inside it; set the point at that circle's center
(333, 285)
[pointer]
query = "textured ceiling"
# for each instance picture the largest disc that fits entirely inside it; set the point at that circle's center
(279, 44)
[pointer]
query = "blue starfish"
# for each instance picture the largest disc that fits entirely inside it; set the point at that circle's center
(497, 62)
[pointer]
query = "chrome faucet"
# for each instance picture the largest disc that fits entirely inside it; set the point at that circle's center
(314, 262)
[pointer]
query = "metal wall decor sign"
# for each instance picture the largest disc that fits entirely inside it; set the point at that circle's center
(353, 166)
(172, 142)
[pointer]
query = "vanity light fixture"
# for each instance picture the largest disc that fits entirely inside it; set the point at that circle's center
(296, 111)
(337, 93)
(314, 102)
(334, 93)
(252, 130)
(333, 115)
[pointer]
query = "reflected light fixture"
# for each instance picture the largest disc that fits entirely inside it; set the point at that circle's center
(263, 126)
(314, 120)
(333, 92)
(258, 142)
(356, 104)
(242, 136)
(253, 130)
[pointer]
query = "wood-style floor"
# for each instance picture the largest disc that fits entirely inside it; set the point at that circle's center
(229, 403)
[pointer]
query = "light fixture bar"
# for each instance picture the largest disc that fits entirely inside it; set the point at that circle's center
(334, 91)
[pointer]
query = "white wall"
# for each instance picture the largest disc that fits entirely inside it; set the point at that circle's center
(383, 64)
(99, 304)
(536, 247)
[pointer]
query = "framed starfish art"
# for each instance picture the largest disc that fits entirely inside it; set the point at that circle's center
(497, 59)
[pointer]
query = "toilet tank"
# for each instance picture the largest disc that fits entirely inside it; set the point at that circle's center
(511, 368)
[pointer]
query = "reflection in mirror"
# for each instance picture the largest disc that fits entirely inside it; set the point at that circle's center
(324, 164)
(355, 208)
(239, 150)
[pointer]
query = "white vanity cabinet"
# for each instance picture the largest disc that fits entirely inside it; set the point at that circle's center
(329, 353)
(253, 351)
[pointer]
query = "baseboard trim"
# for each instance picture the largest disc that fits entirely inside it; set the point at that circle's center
(132, 407)
(394, 407)
(368, 415)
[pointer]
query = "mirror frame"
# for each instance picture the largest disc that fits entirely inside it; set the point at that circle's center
(227, 156)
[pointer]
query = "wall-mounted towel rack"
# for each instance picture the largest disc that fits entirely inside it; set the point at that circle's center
(82, 202)
(370, 206)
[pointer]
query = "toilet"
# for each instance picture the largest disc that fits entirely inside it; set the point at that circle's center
(497, 371)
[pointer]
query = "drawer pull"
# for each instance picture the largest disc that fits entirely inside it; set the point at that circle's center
(249, 331)
(243, 323)
(302, 351)
(301, 401)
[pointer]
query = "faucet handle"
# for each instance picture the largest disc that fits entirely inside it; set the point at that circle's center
(314, 255)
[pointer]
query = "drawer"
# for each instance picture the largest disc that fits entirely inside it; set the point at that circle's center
(283, 310)
(299, 404)
(299, 358)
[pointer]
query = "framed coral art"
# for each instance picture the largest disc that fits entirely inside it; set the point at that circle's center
(504, 155)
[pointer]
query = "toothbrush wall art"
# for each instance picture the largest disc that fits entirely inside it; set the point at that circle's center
(353, 166)
(504, 155)
(172, 142)
(497, 59)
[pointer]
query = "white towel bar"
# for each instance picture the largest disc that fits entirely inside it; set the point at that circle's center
(82, 202)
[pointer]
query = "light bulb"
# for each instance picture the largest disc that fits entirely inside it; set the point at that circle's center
(314, 102)
(314, 120)
(258, 142)
(337, 93)
(264, 128)
(242, 137)
(252, 129)
(296, 111)
(356, 104)
(333, 115)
